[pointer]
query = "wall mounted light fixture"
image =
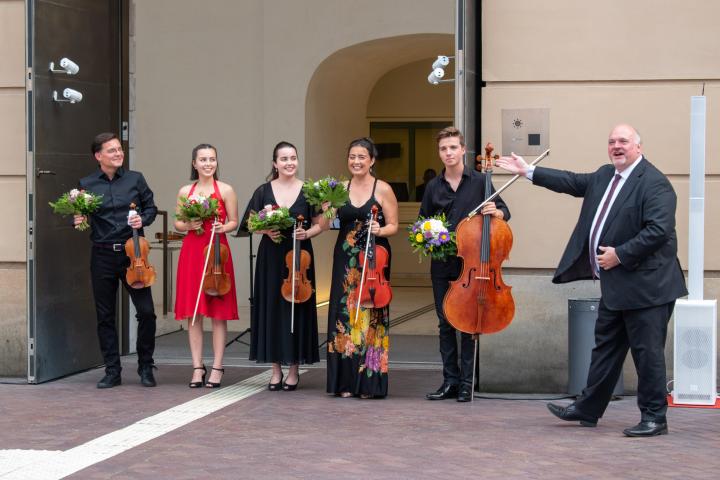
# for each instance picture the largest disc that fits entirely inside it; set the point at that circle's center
(66, 66)
(71, 96)
(438, 70)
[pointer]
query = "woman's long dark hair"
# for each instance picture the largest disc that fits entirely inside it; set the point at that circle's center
(274, 171)
(193, 172)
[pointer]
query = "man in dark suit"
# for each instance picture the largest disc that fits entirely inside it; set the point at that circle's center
(625, 236)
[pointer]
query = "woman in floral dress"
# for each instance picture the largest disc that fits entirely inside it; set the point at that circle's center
(358, 342)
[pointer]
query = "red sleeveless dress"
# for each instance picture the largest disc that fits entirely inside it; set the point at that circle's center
(190, 272)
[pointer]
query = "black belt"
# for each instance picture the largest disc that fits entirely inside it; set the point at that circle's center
(115, 247)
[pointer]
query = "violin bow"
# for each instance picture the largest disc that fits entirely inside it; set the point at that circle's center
(207, 258)
(510, 182)
(292, 303)
(362, 273)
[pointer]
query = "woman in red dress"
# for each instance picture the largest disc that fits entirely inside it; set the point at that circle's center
(191, 261)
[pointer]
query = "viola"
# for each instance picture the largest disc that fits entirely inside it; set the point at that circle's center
(479, 301)
(375, 291)
(216, 281)
(140, 273)
(296, 288)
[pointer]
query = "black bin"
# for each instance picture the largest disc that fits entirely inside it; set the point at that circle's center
(582, 315)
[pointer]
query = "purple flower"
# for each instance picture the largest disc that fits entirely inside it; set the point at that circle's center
(428, 234)
(261, 214)
(372, 358)
(332, 183)
(206, 204)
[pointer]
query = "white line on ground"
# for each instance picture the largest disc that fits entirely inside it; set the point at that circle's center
(54, 465)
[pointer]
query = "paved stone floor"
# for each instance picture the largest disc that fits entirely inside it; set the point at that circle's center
(308, 434)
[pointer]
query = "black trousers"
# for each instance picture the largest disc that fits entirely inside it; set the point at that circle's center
(644, 332)
(108, 268)
(453, 373)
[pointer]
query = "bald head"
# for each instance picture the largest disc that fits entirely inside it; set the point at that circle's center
(624, 146)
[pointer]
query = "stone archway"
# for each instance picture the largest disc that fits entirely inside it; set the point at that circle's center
(336, 108)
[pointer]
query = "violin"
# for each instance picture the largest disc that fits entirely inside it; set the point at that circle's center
(479, 301)
(216, 281)
(140, 273)
(296, 288)
(375, 291)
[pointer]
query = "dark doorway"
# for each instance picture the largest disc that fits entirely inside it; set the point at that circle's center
(61, 311)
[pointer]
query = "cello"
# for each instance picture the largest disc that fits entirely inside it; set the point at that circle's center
(296, 288)
(479, 301)
(375, 291)
(140, 273)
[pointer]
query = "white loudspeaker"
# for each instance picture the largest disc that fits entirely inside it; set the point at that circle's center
(695, 355)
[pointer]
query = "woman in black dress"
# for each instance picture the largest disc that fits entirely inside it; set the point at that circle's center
(358, 344)
(271, 339)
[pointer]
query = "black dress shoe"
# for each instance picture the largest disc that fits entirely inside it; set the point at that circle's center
(444, 392)
(571, 414)
(146, 375)
(111, 379)
(465, 394)
(647, 429)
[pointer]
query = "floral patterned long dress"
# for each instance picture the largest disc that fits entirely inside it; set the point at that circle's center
(358, 346)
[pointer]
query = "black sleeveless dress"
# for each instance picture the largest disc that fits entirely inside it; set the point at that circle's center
(270, 337)
(358, 346)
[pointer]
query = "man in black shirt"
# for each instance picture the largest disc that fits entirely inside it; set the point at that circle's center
(455, 192)
(112, 225)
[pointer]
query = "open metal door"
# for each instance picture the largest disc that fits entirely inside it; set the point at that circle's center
(61, 311)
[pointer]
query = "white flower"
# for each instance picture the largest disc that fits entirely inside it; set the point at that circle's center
(88, 197)
(268, 207)
(316, 185)
(74, 193)
(197, 198)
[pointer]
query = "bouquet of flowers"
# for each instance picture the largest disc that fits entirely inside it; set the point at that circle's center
(271, 217)
(430, 237)
(77, 202)
(197, 207)
(326, 189)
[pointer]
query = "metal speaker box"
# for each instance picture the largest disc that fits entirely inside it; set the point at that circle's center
(695, 355)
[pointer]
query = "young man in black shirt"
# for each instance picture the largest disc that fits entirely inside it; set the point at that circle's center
(455, 192)
(111, 228)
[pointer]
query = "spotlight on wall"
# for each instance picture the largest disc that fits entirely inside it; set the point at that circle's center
(442, 61)
(438, 71)
(66, 66)
(436, 75)
(71, 96)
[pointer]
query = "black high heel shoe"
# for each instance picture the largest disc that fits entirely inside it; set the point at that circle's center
(210, 384)
(289, 388)
(274, 387)
(201, 382)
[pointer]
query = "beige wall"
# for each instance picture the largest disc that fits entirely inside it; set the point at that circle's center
(593, 67)
(12, 129)
(252, 73)
(13, 316)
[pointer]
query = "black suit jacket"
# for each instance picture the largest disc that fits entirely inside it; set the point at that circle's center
(640, 226)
